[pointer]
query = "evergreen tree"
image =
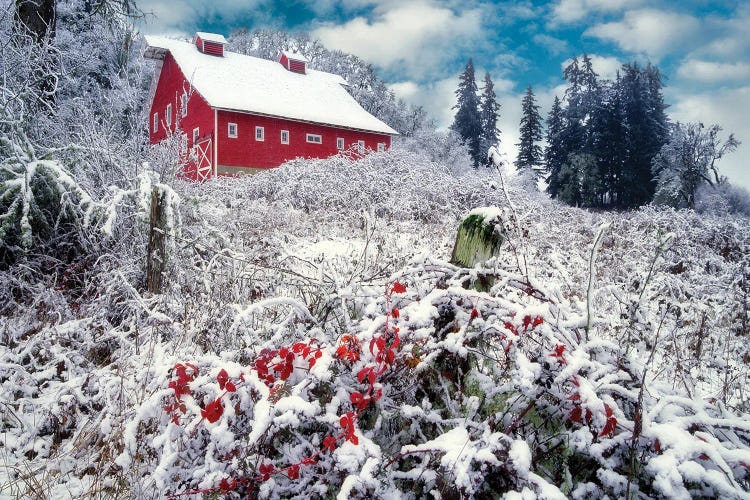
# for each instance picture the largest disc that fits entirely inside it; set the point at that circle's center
(647, 125)
(488, 113)
(554, 154)
(530, 131)
(467, 122)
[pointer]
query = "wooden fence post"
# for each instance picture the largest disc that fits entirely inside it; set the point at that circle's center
(157, 255)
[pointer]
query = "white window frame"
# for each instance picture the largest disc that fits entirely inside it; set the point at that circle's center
(156, 122)
(283, 139)
(183, 104)
(381, 147)
(314, 138)
(262, 136)
(229, 130)
(361, 146)
(196, 134)
(339, 143)
(169, 115)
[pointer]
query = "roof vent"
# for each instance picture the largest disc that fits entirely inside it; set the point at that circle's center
(293, 61)
(210, 43)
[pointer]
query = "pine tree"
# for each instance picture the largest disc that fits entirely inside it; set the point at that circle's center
(647, 126)
(488, 113)
(554, 154)
(530, 154)
(467, 122)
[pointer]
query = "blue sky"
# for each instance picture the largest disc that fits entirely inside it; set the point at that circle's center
(420, 47)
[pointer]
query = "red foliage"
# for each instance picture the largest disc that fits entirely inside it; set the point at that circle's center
(611, 426)
(398, 288)
(213, 411)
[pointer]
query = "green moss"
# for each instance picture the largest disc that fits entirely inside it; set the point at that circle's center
(476, 241)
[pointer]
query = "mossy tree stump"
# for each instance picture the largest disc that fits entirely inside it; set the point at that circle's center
(479, 237)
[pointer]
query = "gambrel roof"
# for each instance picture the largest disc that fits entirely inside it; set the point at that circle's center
(250, 84)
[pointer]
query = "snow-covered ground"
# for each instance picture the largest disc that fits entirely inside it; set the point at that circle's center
(550, 371)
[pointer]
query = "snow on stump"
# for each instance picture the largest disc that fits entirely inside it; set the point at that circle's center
(479, 238)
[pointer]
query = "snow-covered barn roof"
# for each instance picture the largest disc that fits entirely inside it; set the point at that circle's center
(250, 84)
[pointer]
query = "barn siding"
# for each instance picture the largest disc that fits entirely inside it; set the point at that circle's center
(245, 151)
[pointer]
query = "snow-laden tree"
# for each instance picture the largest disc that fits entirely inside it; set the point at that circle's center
(530, 153)
(468, 122)
(687, 161)
(554, 153)
(488, 111)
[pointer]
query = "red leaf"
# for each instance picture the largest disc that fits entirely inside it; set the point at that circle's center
(266, 470)
(213, 411)
(703, 456)
(318, 354)
(311, 363)
(537, 321)
(398, 288)
(526, 322)
(355, 398)
(363, 374)
(609, 428)
(329, 443)
(311, 460)
(225, 485)
(293, 472)
(230, 387)
(395, 313)
(222, 378)
(474, 314)
(354, 439)
(575, 397)
(657, 446)
(576, 415)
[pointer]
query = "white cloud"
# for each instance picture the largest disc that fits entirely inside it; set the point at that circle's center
(437, 97)
(569, 11)
(730, 109)
(554, 46)
(172, 16)
(413, 37)
(604, 66)
(649, 31)
(713, 72)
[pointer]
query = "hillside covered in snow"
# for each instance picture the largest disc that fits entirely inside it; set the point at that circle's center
(313, 338)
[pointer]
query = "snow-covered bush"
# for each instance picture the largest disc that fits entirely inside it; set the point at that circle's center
(722, 199)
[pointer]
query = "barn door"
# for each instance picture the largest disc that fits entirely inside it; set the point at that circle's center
(203, 156)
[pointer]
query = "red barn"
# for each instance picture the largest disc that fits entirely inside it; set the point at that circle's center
(239, 114)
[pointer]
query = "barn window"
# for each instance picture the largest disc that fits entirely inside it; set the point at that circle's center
(183, 105)
(169, 114)
(156, 122)
(339, 143)
(361, 146)
(381, 147)
(232, 130)
(315, 138)
(259, 134)
(196, 134)
(284, 137)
